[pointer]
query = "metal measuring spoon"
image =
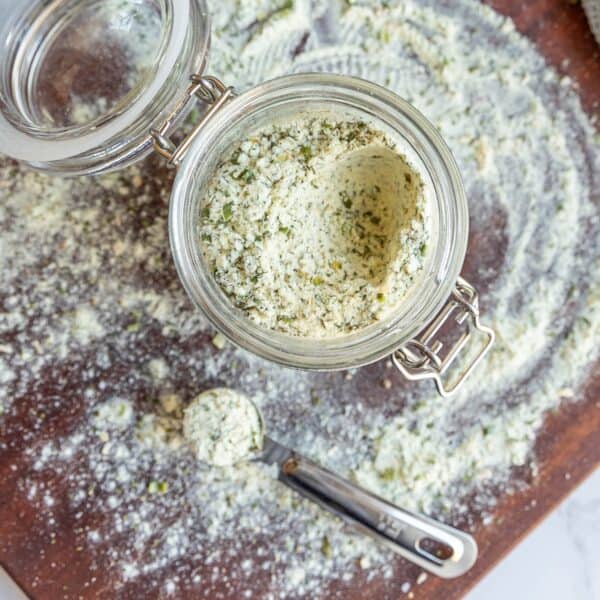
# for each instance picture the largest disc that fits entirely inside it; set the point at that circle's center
(410, 535)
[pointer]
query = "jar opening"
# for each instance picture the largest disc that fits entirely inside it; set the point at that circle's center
(82, 63)
(83, 81)
(78, 65)
(318, 223)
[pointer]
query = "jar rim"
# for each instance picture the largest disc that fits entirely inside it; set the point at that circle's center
(106, 141)
(366, 345)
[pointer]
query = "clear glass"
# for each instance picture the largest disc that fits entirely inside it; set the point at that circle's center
(83, 81)
(310, 94)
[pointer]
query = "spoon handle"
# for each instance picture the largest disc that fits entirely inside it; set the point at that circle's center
(438, 548)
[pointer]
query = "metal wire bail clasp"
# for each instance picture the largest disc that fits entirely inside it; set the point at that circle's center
(209, 89)
(420, 358)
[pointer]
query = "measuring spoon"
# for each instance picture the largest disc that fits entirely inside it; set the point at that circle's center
(440, 549)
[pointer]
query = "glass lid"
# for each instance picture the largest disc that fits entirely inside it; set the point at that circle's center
(89, 77)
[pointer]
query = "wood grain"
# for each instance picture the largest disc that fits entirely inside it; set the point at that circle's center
(54, 566)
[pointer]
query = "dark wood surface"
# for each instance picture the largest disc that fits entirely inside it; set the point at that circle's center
(568, 447)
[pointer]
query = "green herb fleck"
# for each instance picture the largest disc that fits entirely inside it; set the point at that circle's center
(388, 474)
(246, 175)
(384, 36)
(158, 487)
(346, 200)
(326, 549)
(306, 152)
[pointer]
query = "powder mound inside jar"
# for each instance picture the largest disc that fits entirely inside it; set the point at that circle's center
(315, 227)
(223, 427)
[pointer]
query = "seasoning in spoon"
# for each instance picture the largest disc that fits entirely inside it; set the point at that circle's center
(316, 227)
(223, 427)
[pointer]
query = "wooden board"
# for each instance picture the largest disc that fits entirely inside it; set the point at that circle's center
(568, 447)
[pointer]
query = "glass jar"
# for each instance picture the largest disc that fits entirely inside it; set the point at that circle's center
(52, 121)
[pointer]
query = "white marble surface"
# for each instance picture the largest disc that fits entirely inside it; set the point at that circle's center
(8, 588)
(560, 560)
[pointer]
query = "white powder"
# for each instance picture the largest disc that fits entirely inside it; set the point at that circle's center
(223, 427)
(86, 325)
(530, 161)
(113, 414)
(158, 368)
(315, 226)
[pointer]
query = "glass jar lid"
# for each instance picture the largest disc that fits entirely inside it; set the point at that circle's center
(82, 81)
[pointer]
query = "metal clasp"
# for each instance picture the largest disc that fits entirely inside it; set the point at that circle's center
(209, 89)
(420, 358)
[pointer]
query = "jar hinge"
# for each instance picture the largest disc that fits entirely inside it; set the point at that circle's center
(209, 89)
(420, 358)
